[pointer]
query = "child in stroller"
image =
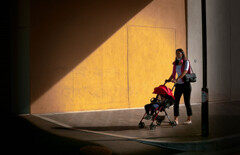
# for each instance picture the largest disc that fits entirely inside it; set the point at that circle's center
(163, 100)
(153, 106)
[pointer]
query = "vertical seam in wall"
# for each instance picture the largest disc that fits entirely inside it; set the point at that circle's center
(102, 74)
(73, 90)
(186, 23)
(128, 71)
(175, 38)
(230, 48)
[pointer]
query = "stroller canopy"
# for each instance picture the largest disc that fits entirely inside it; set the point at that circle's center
(163, 90)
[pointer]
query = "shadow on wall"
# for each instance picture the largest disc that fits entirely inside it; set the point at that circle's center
(63, 33)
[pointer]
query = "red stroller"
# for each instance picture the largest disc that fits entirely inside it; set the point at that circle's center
(161, 90)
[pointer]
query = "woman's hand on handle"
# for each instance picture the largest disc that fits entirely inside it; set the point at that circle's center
(172, 80)
(166, 81)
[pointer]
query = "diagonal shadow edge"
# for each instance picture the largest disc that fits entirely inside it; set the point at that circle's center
(59, 24)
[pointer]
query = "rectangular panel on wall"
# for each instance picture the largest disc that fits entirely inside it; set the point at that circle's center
(100, 81)
(114, 86)
(150, 55)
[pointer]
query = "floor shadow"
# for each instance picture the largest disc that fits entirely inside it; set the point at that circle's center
(110, 128)
(24, 137)
(114, 128)
(224, 125)
(105, 128)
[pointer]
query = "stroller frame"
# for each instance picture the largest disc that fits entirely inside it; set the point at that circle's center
(156, 116)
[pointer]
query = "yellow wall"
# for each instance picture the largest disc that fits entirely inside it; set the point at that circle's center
(108, 55)
(149, 61)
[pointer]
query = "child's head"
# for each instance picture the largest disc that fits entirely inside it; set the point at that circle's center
(163, 98)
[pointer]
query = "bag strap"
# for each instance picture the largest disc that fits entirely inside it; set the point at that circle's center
(191, 66)
(192, 69)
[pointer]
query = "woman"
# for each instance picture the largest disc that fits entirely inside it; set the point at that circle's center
(181, 66)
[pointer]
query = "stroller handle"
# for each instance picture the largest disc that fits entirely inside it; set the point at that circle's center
(173, 86)
(166, 81)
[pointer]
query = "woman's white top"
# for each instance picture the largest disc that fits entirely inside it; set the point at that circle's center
(179, 72)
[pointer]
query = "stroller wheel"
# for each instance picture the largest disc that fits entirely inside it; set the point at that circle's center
(160, 119)
(159, 122)
(141, 125)
(173, 123)
(152, 126)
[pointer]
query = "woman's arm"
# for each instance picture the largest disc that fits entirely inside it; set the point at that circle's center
(182, 75)
(169, 79)
(185, 71)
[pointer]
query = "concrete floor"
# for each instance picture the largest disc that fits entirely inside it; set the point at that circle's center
(117, 132)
